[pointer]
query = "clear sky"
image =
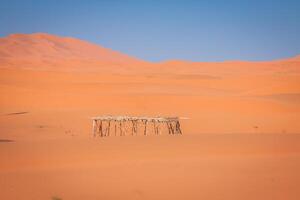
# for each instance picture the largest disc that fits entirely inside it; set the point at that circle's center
(157, 30)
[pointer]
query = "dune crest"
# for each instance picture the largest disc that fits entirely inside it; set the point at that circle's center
(42, 51)
(45, 51)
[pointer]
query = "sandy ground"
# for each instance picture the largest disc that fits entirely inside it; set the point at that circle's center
(58, 102)
(47, 152)
(207, 166)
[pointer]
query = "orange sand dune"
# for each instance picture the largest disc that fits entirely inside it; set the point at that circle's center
(240, 141)
(49, 52)
(41, 51)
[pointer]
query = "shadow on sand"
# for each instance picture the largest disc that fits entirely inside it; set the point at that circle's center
(6, 140)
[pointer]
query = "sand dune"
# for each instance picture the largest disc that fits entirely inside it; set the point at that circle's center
(240, 141)
(41, 51)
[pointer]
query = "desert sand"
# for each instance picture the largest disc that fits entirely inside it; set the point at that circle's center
(241, 139)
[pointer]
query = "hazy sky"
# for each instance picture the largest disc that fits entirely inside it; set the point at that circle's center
(157, 30)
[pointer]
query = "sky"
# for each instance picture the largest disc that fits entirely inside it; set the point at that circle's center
(158, 30)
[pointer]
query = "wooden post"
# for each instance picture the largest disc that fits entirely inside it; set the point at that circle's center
(120, 124)
(158, 128)
(178, 130)
(94, 127)
(171, 127)
(115, 127)
(100, 129)
(145, 130)
(134, 127)
(108, 128)
(133, 130)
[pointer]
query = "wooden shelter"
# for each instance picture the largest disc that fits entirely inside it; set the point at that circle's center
(124, 125)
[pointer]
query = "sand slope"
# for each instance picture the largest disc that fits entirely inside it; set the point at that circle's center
(41, 51)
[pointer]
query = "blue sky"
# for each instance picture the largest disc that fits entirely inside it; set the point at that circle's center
(157, 30)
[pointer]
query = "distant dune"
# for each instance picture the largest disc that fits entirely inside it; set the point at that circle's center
(41, 51)
(44, 51)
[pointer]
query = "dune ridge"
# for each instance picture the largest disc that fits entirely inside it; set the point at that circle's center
(42, 51)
